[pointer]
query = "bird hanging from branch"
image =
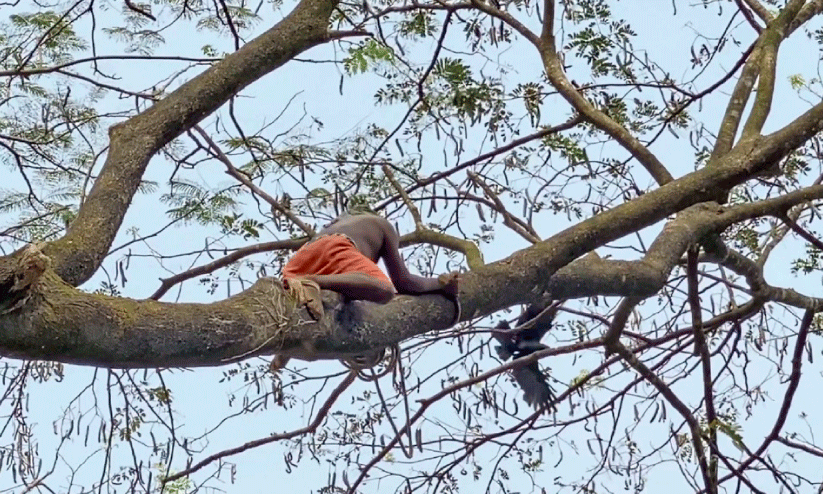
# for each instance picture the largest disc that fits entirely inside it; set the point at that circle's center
(523, 340)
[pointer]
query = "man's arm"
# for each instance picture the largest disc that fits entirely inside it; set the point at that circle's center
(403, 280)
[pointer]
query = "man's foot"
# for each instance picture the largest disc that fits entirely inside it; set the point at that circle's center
(306, 292)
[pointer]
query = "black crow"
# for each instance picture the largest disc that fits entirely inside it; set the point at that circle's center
(534, 322)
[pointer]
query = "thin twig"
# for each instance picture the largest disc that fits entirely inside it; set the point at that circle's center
(794, 382)
(321, 415)
(168, 283)
(485, 156)
(678, 405)
(514, 223)
(242, 178)
(418, 220)
(701, 348)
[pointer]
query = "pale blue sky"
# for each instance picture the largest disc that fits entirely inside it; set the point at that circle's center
(201, 403)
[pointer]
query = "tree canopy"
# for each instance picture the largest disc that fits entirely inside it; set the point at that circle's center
(654, 167)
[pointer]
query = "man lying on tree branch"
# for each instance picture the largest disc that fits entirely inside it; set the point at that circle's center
(343, 258)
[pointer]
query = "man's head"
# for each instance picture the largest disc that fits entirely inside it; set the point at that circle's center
(359, 204)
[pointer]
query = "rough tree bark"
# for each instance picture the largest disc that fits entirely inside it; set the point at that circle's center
(45, 317)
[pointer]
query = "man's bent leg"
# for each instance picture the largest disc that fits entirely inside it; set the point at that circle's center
(356, 286)
(305, 291)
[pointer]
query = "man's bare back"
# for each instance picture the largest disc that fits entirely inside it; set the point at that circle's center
(376, 238)
(373, 238)
(366, 230)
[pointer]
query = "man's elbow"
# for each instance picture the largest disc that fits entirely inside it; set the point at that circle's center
(385, 294)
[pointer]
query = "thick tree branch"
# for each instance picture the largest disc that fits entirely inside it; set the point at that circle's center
(763, 56)
(548, 21)
(775, 33)
(760, 10)
(765, 89)
(618, 324)
(811, 9)
(737, 103)
(79, 253)
(63, 324)
(748, 15)
(718, 252)
(116, 332)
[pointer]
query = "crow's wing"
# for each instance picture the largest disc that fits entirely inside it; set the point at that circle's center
(540, 326)
(506, 347)
(536, 392)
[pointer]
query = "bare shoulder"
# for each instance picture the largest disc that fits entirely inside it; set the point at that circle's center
(383, 223)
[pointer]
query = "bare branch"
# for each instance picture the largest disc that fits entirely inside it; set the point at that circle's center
(816, 242)
(515, 224)
(737, 103)
(168, 283)
(803, 447)
(318, 419)
(718, 252)
(55, 68)
(485, 156)
(748, 15)
(765, 91)
(762, 64)
(794, 381)
(618, 324)
(701, 348)
(760, 10)
(811, 9)
(143, 12)
(242, 178)
(672, 398)
(548, 21)
(418, 220)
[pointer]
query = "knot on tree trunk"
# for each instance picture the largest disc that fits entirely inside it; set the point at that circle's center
(18, 273)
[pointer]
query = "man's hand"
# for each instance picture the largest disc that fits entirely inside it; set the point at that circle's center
(449, 287)
(449, 283)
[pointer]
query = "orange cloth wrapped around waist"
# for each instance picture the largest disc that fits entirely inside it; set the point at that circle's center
(332, 254)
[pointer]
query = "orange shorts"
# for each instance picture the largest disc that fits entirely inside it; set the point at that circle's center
(332, 254)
